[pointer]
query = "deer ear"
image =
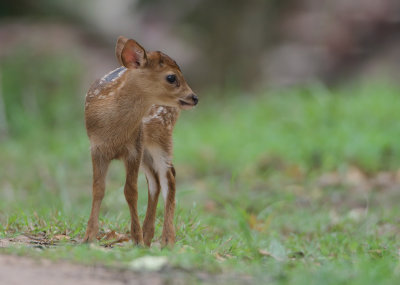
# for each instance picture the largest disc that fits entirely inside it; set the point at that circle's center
(121, 41)
(129, 53)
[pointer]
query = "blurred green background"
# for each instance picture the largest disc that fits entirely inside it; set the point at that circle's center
(290, 162)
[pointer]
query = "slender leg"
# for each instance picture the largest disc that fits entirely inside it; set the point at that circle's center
(153, 192)
(131, 195)
(168, 190)
(100, 166)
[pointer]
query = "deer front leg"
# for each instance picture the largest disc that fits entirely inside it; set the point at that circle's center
(131, 196)
(100, 166)
(153, 193)
(167, 181)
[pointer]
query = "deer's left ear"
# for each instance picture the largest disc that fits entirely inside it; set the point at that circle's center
(129, 53)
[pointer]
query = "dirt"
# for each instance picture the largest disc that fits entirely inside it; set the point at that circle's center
(23, 270)
(26, 270)
(15, 270)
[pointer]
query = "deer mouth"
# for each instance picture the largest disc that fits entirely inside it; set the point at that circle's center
(185, 105)
(189, 101)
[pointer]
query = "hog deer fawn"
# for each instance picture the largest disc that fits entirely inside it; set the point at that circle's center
(130, 114)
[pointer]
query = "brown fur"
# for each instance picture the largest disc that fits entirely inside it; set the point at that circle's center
(131, 117)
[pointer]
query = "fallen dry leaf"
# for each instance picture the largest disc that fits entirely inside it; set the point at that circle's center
(329, 179)
(219, 257)
(259, 225)
(295, 172)
(355, 176)
(61, 237)
(376, 251)
(23, 239)
(252, 221)
(111, 235)
(269, 254)
(114, 238)
(384, 180)
(264, 252)
(5, 243)
(184, 248)
(210, 206)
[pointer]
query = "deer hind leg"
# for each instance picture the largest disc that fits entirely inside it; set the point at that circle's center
(153, 193)
(100, 166)
(168, 191)
(132, 164)
(160, 176)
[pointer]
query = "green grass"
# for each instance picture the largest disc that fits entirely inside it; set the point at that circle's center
(248, 198)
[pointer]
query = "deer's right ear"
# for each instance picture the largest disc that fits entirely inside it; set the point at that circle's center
(129, 53)
(121, 41)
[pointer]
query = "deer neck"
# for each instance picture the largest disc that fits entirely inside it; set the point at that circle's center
(133, 103)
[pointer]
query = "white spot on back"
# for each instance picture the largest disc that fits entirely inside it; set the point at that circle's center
(113, 75)
(155, 116)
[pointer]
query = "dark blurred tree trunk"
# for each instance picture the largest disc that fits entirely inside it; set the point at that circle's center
(232, 36)
(3, 117)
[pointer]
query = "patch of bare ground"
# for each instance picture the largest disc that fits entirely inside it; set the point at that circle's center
(23, 270)
(26, 270)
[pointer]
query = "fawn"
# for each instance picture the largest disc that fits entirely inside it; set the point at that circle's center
(130, 114)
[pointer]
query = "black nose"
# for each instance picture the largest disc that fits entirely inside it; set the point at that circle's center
(195, 99)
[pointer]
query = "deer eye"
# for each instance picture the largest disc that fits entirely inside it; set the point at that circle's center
(171, 78)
